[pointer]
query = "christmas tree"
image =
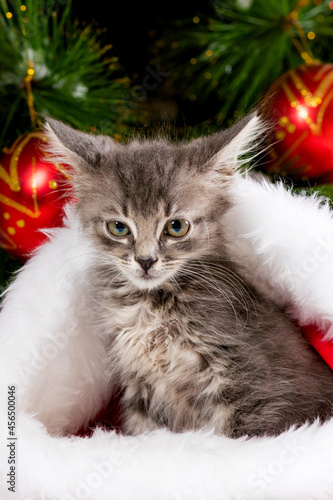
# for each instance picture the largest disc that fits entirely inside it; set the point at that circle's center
(231, 55)
(51, 64)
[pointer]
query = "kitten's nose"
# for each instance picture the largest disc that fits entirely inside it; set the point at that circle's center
(146, 263)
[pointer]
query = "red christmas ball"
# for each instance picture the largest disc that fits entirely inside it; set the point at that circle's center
(301, 101)
(33, 192)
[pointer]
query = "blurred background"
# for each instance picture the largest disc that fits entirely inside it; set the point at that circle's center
(185, 69)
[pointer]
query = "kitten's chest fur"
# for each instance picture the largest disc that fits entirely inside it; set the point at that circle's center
(191, 358)
(151, 336)
(162, 359)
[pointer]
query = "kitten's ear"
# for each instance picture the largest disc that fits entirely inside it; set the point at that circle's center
(80, 150)
(241, 139)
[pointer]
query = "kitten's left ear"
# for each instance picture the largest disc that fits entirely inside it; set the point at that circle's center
(80, 150)
(241, 139)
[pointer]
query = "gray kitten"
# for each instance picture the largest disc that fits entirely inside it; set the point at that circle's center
(192, 344)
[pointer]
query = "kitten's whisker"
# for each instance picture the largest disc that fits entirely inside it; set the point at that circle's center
(227, 274)
(224, 276)
(219, 289)
(235, 298)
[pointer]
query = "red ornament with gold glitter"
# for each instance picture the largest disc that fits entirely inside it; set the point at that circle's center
(302, 103)
(32, 195)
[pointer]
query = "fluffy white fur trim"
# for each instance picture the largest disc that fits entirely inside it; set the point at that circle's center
(285, 245)
(163, 466)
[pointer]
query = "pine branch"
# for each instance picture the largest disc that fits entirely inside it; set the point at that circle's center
(73, 77)
(237, 54)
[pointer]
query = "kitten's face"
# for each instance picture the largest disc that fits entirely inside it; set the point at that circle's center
(150, 249)
(151, 213)
(152, 208)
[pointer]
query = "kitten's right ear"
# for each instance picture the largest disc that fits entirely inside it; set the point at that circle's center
(80, 150)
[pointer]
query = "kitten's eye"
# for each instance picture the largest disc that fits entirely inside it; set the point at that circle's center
(118, 229)
(177, 228)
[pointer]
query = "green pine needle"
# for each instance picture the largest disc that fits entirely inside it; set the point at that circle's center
(242, 50)
(74, 79)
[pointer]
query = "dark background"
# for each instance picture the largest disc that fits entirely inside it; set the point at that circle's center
(133, 29)
(129, 24)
